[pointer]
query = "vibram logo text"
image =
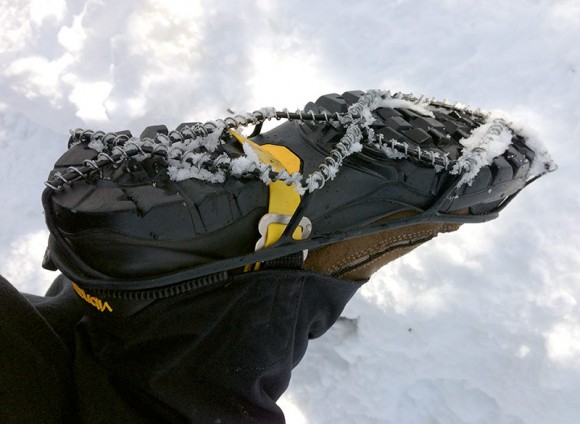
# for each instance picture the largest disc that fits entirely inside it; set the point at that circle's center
(92, 300)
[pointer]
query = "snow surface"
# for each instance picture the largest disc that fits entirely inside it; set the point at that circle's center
(478, 326)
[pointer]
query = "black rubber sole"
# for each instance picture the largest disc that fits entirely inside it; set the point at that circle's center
(441, 134)
(129, 227)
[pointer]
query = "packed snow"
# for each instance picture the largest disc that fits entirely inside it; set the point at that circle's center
(478, 326)
(483, 145)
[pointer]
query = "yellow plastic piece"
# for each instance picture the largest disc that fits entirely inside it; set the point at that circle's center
(284, 199)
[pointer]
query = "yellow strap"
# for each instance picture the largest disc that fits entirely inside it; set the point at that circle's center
(284, 199)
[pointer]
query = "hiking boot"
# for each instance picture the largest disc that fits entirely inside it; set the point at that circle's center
(355, 180)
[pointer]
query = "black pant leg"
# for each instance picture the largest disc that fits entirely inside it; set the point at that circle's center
(221, 356)
(36, 379)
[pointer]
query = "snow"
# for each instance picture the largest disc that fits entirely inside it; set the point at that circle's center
(478, 326)
(419, 107)
(485, 143)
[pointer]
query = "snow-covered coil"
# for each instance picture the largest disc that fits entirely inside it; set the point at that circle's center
(188, 150)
